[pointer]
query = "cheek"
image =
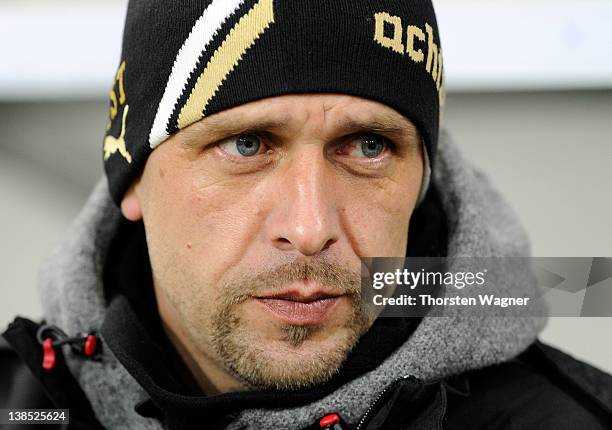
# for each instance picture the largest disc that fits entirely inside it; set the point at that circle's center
(376, 215)
(201, 223)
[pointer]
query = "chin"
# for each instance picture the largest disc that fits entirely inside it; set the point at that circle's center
(295, 358)
(295, 363)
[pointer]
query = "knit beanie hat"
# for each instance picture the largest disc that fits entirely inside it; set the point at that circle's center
(184, 60)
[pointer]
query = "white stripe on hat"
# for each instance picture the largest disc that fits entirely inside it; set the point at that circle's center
(186, 61)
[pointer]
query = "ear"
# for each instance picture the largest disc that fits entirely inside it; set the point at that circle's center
(130, 206)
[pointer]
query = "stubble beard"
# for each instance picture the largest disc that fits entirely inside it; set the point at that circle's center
(290, 363)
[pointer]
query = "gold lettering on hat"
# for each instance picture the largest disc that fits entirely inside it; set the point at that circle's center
(415, 35)
(114, 144)
(415, 32)
(117, 144)
(395, 42)
(432, 53)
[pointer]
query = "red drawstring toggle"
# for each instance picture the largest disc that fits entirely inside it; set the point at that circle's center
(48, 354)
(50, 337)
(89, 349)
(329, 420)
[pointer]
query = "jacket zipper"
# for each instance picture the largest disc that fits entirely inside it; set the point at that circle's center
(380, 396)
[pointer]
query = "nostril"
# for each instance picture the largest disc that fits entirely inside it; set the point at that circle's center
(329, 243)
(283, 243)
(305, 247)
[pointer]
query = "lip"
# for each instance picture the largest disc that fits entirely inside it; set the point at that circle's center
(300, 313)
(304, 306)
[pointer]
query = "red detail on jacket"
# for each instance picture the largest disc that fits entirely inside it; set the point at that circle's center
(329, 420)
(89, 349)
(48, 354)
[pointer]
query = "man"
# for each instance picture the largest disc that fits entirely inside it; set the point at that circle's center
(255, 151)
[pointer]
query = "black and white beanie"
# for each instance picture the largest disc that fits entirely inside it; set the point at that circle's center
(184, 60)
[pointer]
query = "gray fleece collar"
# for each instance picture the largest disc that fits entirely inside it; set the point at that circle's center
(479, 223)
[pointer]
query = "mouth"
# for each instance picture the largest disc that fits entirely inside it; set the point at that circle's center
(299, 307)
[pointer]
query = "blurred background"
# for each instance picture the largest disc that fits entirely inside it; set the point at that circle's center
(530, 102)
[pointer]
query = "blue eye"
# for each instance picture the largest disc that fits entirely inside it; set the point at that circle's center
(372, 145)
(248, 145)
(245, 145)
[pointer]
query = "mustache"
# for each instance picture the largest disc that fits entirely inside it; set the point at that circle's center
(328, 274)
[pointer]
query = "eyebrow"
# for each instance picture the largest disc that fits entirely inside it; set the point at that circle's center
(235, 125)
(388, 126)
(232, 126)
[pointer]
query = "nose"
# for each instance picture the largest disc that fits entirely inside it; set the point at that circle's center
(304, 217)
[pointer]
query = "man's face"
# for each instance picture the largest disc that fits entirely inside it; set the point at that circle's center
(256, 219)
